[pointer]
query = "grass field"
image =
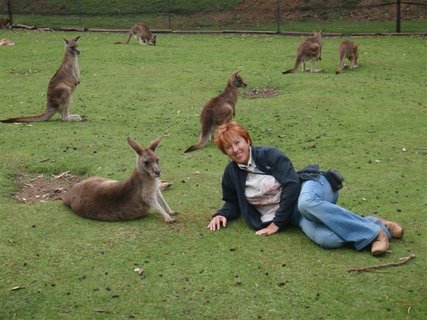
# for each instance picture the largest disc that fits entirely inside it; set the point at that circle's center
(217, 15)
(369, 123)
(182, 22)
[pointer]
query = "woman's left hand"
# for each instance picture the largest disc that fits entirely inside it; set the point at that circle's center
(272, 228)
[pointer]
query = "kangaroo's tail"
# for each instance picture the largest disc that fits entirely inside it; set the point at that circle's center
(288, 71)
(124, 42)
(340, 68)
(41, 117)
(295, 67)
(341, 62)
(203, 141)
(208, 128)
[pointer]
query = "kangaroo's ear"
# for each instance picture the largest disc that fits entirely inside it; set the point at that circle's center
(154, 144)
(321, 31)
(66, 41)
(233, 75)
(76, 38)
(135, 145)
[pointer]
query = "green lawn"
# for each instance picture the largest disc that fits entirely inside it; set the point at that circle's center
(369, 123)
(176, 22)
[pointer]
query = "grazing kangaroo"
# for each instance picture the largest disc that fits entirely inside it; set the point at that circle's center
(60, 89)
(218, 110)
(110, 200)
(142, 34)
(309, 49)
(348, 49)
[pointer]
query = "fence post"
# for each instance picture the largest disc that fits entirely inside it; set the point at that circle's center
(9, 11)
(169, 16)
(278, 15)
(78, 10)
(398, 16)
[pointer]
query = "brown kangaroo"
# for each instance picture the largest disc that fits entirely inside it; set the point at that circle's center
(309, 49)
(60, 89)
(6, 42)
(350, 50)
(142, 34)
(110, 200)
(219, 110)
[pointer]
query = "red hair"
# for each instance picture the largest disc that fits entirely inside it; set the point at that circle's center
(227, 132)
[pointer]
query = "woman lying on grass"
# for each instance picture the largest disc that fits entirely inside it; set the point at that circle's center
(261, 184)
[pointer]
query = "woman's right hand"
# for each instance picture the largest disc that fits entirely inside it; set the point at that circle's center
(216, 222)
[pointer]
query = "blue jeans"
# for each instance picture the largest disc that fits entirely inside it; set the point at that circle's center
(329, 225)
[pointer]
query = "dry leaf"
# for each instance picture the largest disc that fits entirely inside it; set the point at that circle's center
(139, 270)
(16, 288)
(65, 173)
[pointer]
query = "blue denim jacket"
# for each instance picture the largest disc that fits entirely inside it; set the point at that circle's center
(273, 162)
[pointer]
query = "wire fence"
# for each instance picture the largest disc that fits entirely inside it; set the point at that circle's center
(342, 16)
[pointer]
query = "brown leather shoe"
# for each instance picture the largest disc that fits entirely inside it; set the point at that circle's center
(380, 244)
(396, 230)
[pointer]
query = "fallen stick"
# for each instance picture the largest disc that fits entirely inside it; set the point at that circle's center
(377, 266)
(23, 26)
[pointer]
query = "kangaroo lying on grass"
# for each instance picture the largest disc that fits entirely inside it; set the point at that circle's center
(219, 110)
(110, 200)
(6, 42)
(60, 89)
(309, 49)
(348, 49)
(142, 34)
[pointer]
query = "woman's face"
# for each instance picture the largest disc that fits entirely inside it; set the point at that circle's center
(237, 148)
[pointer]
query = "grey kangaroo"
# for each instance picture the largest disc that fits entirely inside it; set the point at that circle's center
(350, 50)
(142, 34)
(60, 89)
(218, 110)
(110, 200)
(309, 49)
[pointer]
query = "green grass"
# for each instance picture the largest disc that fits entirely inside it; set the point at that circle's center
(369, 123)
(183, 22)
(195, 15)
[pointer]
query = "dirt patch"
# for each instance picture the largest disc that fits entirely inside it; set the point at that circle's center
(41, 188)
(255, 93)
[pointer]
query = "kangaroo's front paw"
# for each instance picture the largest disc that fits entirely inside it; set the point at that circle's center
(165, 185)
(172, 212)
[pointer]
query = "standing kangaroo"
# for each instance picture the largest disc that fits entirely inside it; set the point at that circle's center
(110, 200)
(218, 110)
(309, 49)
(348, 49)
(60, 89)
(142, 34)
